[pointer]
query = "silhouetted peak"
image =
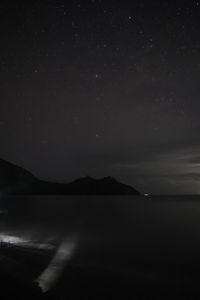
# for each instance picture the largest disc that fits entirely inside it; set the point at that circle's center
(109, 178)
(14, 179)
(4, 162)
(6, 165)
(101, 186)
(86, 179)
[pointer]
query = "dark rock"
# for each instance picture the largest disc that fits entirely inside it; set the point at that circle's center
(16, 180)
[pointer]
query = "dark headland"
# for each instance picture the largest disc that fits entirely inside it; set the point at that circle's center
(18, 181)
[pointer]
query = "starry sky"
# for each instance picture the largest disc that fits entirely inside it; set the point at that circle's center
(103, 87)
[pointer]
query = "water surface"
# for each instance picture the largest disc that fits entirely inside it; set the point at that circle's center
(152, 240)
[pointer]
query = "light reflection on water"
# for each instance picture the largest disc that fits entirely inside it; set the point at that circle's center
(19, 241)
(52, 273)
(119, 233)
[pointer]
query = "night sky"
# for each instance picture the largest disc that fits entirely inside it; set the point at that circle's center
(103, 87)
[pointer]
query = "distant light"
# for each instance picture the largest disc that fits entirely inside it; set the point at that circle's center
(146, 195)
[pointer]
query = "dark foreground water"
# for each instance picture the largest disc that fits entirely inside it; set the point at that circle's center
(96, 247)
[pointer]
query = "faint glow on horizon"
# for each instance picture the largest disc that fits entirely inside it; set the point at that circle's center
(178, 169)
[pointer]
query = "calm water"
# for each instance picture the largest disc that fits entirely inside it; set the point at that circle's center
(152, 238)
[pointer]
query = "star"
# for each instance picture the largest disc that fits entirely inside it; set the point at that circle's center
(151, 46)
(130, 18)
(44, 142)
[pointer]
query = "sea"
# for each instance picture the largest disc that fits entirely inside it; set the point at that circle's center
(103, 247)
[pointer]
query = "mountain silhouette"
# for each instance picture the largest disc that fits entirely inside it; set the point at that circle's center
(14, 179)
(17, 180)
